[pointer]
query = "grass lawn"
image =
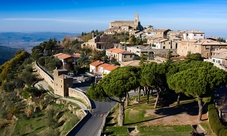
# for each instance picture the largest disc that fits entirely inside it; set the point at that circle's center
(135, 116)
(165, 130)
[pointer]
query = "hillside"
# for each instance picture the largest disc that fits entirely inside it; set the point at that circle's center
(6, 53)
(28, 40)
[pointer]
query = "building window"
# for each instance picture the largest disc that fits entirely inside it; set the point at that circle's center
(219, 61)
(124, 56)
(130, 56)
(194, 34)
(213, 60)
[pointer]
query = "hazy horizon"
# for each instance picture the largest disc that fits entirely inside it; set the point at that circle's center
(76, 16)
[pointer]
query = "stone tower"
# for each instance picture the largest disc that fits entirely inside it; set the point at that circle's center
(62, 82)
(136, 18)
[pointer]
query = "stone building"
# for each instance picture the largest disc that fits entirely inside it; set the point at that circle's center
(124, 26)
(120, 55)
(62, 82)
(204, 46)
(193, 35)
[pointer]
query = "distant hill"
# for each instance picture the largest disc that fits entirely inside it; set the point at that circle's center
(28, 40)
(6, 53)
(10, 42)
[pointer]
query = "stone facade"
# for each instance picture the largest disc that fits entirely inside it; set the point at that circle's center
(62, 82)
(205, 47)
(124, 26)
(73, 92)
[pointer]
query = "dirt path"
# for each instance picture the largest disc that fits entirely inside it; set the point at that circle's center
(178, 119)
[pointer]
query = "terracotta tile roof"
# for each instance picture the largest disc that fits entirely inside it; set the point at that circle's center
(56, 55)
(115, 50)
(96, 63)
(104, 65)
(220, 51)
(76, 55)
(211, 42)
(111, 68)
(108, 67)
(62, 56)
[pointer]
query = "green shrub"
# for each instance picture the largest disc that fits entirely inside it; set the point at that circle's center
(211, 106)
(214, 120)
(223, 132)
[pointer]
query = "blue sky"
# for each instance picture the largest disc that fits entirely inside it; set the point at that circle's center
(209, 16)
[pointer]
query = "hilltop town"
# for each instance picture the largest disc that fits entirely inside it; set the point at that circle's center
(151, 73)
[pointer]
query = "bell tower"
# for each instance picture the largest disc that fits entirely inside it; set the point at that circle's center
(136, 18)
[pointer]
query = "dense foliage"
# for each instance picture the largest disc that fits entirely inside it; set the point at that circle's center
(116, 86)
(215, 122)
(12, 65)
(46, 48)
(192, 77)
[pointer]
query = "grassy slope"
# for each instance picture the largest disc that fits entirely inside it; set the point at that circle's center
(38, 123)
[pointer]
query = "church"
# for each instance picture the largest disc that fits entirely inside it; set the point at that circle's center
(125, 26)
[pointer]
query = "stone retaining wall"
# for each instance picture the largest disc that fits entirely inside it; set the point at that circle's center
(73, 92)
(45, 75)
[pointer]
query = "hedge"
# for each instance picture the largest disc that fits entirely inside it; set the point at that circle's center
(215, 122)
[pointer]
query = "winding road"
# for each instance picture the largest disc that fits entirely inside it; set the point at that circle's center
(92, 124)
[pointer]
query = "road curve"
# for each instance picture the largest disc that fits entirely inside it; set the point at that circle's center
(92, 125)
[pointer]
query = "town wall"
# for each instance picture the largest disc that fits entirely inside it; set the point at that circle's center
(48, 78)
(76, 93)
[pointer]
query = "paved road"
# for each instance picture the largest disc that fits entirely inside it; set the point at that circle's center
(91, 126)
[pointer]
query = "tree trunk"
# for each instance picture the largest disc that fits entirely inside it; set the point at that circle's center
(178, 99)
(148, 94)
(127, 99)
(144, 90)
(157, 98)
(121, 116)
(139, 94)
(200, 108)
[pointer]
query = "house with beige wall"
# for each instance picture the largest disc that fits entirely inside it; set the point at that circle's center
(94, 66)
(100, 68)
(204, 46)
(120, 55)
(220, 56)
(92, 43)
